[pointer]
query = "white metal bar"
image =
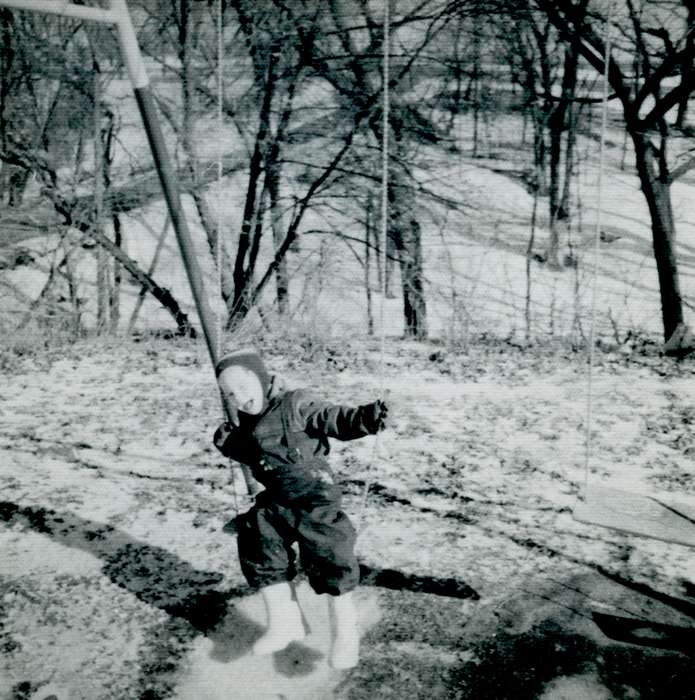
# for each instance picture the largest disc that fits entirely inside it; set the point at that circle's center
(65, 8)
(130, 49)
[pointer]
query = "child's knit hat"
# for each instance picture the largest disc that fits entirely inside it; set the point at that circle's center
(245, 357)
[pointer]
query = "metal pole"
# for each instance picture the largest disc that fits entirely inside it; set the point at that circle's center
(56, 7)
(143, 95)
(162, 161)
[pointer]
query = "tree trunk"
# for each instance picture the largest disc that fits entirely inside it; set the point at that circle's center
(475, 80)
(6, 58)
(555, 127)
(115, 285)
(529, 257)
(75, 301)
(656, 188)
(115, 298)
(388, 265)
(243, 269)
(558, 123)
(539, 152)
(564, 207)
(282, 280)
(409, 246)
(102, 272)
(368, 235)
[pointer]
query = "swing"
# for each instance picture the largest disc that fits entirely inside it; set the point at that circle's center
(638, 514)
(383, 242)
(600, 504)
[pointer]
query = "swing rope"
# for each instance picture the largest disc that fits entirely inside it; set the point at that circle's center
(597, 251)
(218, 236)
(220, 127)
(384, 193)
(382, 242)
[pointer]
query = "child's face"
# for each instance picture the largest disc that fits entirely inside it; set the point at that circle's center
(243, 388)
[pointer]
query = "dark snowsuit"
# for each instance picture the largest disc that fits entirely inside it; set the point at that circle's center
(285, 448)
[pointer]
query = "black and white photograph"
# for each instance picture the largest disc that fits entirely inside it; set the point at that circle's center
(347, 349)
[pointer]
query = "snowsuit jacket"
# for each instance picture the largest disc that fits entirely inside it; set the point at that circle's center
(286, 446)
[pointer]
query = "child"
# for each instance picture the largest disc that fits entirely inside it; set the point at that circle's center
(283, 437)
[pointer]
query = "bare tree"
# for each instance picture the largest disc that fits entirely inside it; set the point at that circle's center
(549, 75)
(48, 99)
(302, 45)
(659, 34)
(258, 38)
(348, 56)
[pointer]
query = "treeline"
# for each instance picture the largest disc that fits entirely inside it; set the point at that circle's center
(301, 86)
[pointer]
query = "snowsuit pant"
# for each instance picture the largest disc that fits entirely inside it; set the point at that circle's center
(323, 532)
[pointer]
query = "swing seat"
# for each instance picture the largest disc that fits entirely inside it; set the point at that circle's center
(638, 514)
(646, 632)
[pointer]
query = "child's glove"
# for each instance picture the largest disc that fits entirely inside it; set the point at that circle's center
(222, 435)
(374, 417)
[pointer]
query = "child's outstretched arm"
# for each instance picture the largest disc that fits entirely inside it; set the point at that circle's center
(321, 418)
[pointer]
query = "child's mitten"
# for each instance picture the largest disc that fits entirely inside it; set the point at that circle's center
(221, 436)
(375, 416)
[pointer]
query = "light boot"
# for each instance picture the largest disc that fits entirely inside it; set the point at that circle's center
(346, 638)
(285, 622)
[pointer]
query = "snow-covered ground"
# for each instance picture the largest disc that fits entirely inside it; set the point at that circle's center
(118, 580)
